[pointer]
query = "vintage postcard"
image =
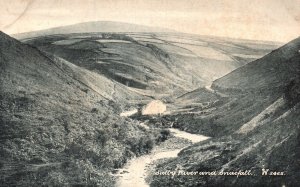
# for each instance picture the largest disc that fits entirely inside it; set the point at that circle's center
(159, 93)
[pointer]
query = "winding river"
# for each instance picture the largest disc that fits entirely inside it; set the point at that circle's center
(133, 174)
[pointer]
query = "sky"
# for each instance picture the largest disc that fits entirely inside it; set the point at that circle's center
(273, 20)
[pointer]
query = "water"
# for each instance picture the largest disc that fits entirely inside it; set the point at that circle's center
(133, 174)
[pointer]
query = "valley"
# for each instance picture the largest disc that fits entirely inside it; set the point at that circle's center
(112, 108)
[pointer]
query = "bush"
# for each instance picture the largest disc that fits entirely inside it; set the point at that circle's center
(164, 135)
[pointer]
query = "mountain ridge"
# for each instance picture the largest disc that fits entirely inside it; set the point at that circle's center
(94, 26)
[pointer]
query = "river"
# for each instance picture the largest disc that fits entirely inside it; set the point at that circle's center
(133, 174)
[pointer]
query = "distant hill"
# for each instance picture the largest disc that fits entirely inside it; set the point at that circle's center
(161, 65)
(96, 26)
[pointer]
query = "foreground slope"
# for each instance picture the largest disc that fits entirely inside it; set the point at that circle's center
(57, 128)
(256, 126)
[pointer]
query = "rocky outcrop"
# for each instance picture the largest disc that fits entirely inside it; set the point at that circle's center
(155, 107)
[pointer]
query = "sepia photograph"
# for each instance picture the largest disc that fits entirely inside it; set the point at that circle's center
(150, 93)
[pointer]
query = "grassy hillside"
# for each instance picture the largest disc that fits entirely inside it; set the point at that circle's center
(58, 128)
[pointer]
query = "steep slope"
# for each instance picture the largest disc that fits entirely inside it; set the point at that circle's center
(56, 128)
(274, 146)
(256, 128)
(274, 70)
